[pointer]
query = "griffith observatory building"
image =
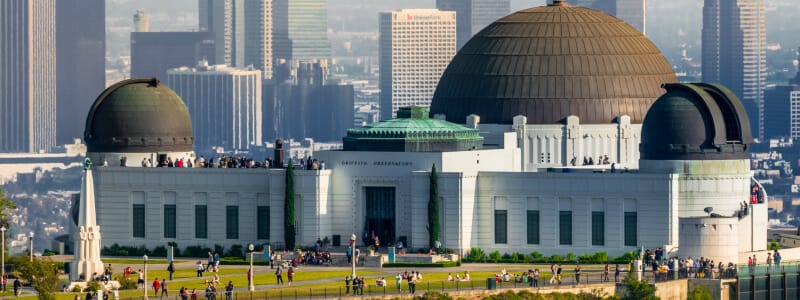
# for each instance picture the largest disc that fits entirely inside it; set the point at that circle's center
(555, 129)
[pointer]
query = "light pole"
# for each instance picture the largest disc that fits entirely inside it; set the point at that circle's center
(144, 257)
(252, 271)
(353, 253)
(3, 267)
(30, 238)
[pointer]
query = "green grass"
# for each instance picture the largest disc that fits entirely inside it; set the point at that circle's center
(137, 262)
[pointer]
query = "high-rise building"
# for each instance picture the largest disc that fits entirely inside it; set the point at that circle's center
(80, 63)
(474, 15)
(782, 110)
(300, 30)
(225, 19)
(141, 21)
(153, 53)
(258, 36)
(27, 75)
(242, 31)
(307, 105)
(734, 52)
(416, 45)
(633, 12)
(224, 104)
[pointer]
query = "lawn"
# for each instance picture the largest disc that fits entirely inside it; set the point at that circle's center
(136, 262)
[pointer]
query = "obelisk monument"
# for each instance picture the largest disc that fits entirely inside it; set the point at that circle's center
(87, 243)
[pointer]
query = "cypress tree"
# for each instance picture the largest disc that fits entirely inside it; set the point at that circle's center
(288, 209)
(433, 208)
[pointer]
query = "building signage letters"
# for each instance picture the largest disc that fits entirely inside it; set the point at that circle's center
(377, 163)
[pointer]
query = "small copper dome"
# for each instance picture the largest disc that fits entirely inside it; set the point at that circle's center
(136, 116)
(550, 62)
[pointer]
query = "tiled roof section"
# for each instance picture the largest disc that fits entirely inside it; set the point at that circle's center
(551, 62)
(413, 131)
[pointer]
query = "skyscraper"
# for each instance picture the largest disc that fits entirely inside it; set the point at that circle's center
(633, 12)
(416, 45)
(153, 53)
(224, 104)
(473, 15)
(734, 52)
(300, 30)
(27, 75)
(258, 36)
(225, 19)
(80, 63)
(141, 21)
(242, 31)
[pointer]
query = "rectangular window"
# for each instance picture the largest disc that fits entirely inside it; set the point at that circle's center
(170, 223)
(200, 221)
(565, 227)
(533, 227)
(138, 220)
(630, 229)
(232, 222)
(263, 222)
(598, 228)
(500, 226)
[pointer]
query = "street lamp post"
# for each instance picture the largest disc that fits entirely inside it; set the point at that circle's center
(353, 253)
(144, 257)
(252, 272)
(3, 267)
(30, 238)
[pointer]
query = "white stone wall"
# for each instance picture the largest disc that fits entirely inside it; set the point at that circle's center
(715, 238)
(554, 145)
(581, 193)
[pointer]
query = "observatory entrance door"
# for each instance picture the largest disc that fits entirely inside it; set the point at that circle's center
(380, 215)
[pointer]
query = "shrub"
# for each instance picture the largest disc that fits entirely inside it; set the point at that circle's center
(700, 293)
(117, 250)
(494, 256)
(236, 250)
(625, 258)
(196, 251)
(159, 251)
(476, 254)
(94, 286)
(638, 289)
(127, 284)
(571, 258)
(76, 289)
(507, 256)
(555, 258)
(48, 252)
(429, 295)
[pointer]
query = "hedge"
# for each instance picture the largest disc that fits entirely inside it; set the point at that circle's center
(441, 264)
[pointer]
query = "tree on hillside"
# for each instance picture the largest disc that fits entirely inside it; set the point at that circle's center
(288, 209)
(433, 208)
(5, 206)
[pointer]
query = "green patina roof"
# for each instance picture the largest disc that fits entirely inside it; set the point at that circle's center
(413, 131)
(414, 123)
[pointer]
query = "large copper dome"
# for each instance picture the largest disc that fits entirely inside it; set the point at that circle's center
(550, 62)
(138, 116)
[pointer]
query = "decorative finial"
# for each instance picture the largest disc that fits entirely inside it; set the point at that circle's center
(559, 3)
(87, 163)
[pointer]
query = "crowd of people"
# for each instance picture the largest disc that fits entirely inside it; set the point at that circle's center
(224, 161)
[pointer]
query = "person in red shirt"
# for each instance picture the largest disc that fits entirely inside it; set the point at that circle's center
(156, 286)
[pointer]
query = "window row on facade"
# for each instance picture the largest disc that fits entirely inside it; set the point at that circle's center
(565, 228)
(170, 221)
